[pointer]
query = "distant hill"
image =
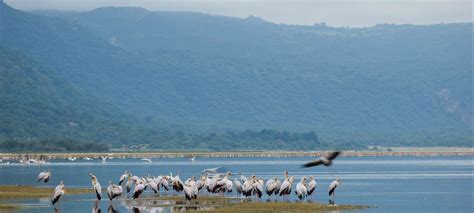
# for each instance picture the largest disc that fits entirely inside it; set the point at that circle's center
(383, 84)
(37, 105)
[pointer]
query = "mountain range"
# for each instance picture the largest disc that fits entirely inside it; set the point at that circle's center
(200, 73)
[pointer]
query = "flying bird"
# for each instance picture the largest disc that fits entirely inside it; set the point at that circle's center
(323, 160)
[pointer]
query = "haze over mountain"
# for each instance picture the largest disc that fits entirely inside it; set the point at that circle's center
(360, 85)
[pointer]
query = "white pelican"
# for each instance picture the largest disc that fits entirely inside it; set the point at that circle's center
(44, 176)
(113, 190)
(177, 183)
(123, 178)
(272, 186)
(147, 160)
(154, 186)
(104, 159)
(58, 192)
(301, 190)
(323, 160)
(71, 158)
(139, 187)
(332, 188)
(96, 186)
(258, 187)
(128, 185)
(224, 184)
(190, 189)
(201, 182)
(211, 183)
(238, 186)
(247, 187)
(87, 158)
(212, 170)
(286, 186)
(311, 185)
(164, 183)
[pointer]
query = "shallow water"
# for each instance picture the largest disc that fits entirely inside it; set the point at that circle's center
(392, 184)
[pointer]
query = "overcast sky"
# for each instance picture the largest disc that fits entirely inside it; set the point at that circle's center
(354, 13)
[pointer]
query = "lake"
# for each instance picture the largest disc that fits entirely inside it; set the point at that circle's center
(391, 184)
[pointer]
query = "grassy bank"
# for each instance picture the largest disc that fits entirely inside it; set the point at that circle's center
(9, 192)
(24, 192)
(280, 207)
(216, 204)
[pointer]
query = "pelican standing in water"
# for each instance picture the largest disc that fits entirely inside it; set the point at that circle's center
(323, 160)
(311, 185)
(224, 185)
(139, 188)
(238, 186)
(113, 190)
(123, 177)
(128, 185)
(271, 186)
(301, 190)
(286, 186)
(58, 192)
(44, 176)
(332, 190)
(96, 186)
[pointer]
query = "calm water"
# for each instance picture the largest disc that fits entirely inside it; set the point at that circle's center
(393, 184)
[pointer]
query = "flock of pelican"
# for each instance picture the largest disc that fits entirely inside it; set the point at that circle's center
(210, 181)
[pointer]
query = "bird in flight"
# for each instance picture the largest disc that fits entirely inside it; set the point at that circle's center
(323, 160)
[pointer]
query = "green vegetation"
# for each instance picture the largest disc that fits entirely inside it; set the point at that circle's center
(23, 192)
(52, 146)
(280, 207)
(111, 77)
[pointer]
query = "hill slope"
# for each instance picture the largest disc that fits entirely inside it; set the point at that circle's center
(252, 72)
(219, 72)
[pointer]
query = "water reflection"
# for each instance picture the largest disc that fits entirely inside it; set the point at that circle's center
(96, 207)
(111, 208)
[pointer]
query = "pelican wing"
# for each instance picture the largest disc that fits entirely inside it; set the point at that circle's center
(313, 163)
(57, 194)
(332, 187)
(98, 191)
(333, 155)
(42, 176)
(122, 178)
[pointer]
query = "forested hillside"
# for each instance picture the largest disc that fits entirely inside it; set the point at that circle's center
(178, 80)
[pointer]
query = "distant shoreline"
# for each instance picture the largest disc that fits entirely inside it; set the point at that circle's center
(396, 151)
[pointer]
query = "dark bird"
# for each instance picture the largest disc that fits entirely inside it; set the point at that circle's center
(323, 160)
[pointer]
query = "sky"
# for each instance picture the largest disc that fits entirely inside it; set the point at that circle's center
(339, 13)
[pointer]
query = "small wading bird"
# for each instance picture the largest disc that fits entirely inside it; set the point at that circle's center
(113, 190)
(96, 186)
(323, 160)
(44, 176)
(332, 190)
(58, 192)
